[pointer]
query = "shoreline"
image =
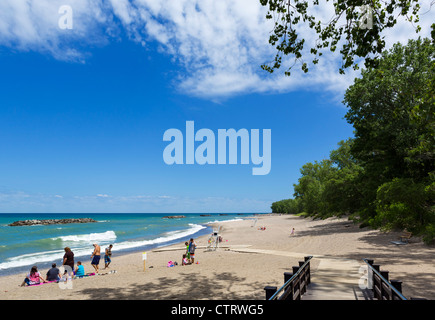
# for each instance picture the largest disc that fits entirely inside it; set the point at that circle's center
(241, 267)
(208, 227)
(47, 265)
(204, 230)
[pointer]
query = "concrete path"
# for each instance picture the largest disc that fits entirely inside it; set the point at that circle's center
(333, 279)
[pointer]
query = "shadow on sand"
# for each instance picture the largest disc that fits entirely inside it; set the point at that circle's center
(190, 287)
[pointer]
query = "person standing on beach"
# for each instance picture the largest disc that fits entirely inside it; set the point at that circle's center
(192, 247)
(68, 259)
(96, 257)
(107, 255)
(187, 250)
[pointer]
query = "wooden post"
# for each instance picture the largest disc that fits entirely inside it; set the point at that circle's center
(287, 276)
(370, 274)
(296, 283)
(376, 267)
(396, 284)
(385, 275)
(270, 291)
(308, 269)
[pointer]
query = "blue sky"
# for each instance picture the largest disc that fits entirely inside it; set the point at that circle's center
(82, 118)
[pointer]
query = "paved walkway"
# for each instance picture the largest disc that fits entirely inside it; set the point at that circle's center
(333, 279)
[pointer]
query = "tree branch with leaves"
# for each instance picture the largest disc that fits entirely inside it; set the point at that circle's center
(359, 35)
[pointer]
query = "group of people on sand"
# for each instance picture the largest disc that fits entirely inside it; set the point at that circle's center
(189, 255)
(54, 275)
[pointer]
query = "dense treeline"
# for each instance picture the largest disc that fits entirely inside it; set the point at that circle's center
(384, 176)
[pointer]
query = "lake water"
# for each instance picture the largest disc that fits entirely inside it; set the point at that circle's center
(24, 246)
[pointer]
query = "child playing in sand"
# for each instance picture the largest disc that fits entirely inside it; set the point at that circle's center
(185, 261)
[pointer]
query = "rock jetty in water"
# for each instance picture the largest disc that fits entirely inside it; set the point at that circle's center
(50, 221)
(173, 217)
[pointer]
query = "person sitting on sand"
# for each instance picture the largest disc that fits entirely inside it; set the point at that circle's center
(96, 257)
(53, 274)
(80, 270)
(33, 277)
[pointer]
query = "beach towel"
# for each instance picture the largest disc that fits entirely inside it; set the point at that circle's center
(85, 275)
(40, 283)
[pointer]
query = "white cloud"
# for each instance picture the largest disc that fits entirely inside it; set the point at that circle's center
(34, 25)
(219, 45)
(103, 195)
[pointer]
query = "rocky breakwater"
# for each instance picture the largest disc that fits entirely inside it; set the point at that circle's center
(173, 217)
(33, 222)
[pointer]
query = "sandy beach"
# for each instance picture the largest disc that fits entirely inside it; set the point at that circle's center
(247, 260)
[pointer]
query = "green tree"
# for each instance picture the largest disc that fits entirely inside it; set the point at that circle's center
(355, 36)
(328, 187)
(311, 186)
(404, 204)
(392, 110)
(291, 206)
(341, 190)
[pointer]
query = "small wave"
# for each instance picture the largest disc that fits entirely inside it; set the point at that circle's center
(223, 221)
(33, 258)
(39, 257)
(170, 236)
(104, 236)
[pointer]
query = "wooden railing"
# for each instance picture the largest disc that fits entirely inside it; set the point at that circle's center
(295, 284)
(383, 289)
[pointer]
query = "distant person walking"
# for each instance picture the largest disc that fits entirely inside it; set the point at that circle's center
(192, 248)
(292, 233)
(107, 256)
(96, 257)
